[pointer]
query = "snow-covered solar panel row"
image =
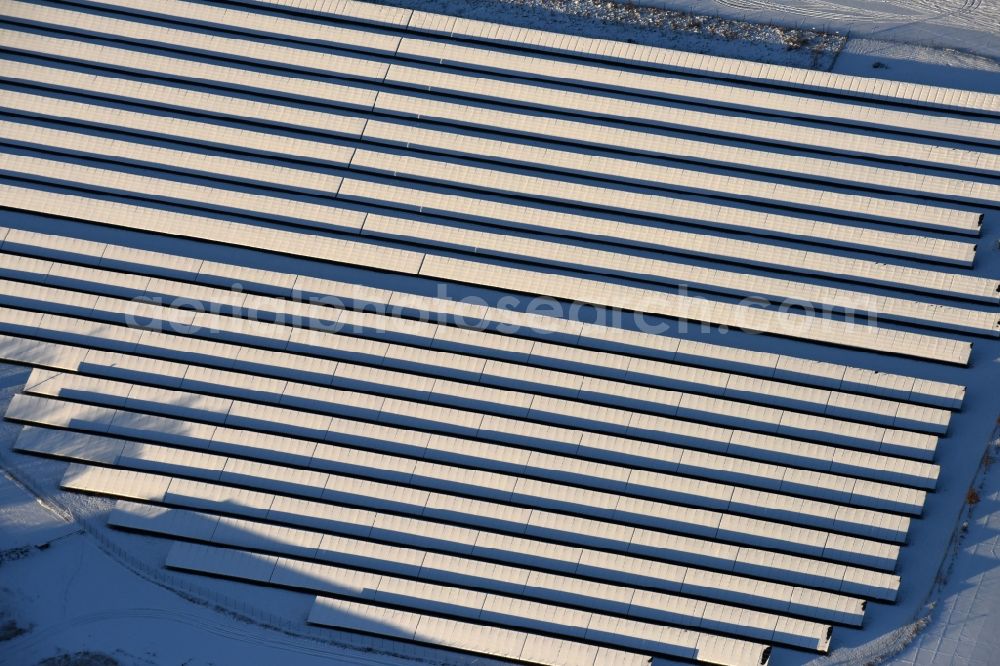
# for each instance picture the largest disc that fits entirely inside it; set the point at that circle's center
(638, 141)
(405, 134)
(327, 217)
(589, 75)
(911, 214)
(451, 203)
(183, 99)
(611, 449)
(649, 487)
(867, 491)
(545, 408)
(673, 209)
(205, 195)
(179, 128)
(589, 504)
(226, 46)
(495, 641)
(663, 207)
(467, 604)
(662, 485)
(895, 177)
(234, 18)
(693, 309)
(212, 165)
(699, 530)
(550, 557)
(685, 89)
(532, 546)
(602, 261)
(618, 52)
(710, 65)
(329, 322)
(517, 216)
(611, 342)
(213, 230)
(301, 512)
(579, 102)
(661, 116)
(164, 66)
(361, 12)
(466, 572)
(574, 289)
(775, 449)
(533, 125)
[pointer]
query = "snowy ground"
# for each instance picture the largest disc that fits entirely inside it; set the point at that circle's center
(668, 28)
(963, 25)
(963, 631)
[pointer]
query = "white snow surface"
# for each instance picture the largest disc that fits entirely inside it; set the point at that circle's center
(963, 627)
(964, 25)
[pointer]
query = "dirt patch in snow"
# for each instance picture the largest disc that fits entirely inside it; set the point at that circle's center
(652, 26)
(85, 658)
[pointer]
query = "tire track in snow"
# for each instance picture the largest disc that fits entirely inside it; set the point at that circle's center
(960, 12)
(249, 636)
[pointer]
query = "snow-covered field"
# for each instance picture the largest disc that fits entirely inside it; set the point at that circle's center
(964, 25)
(963, 626)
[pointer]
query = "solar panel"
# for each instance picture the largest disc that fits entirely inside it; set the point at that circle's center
(632, 298)
(211, 197)
(165, 66)
(454, 602)
(476, 638)
(459, 571)
(687, 520)
(409, 134)
(781, 367)
(229, 47)
(525, 551)
(173, 97)
(658, 205)
(636, 141)
(599, 446)
(205, 133)
(252, 21)
(685, 89)
(67, 444)
(705, 65)
(600, 261)
(197, 378)
(465, 463)
(632, 111)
